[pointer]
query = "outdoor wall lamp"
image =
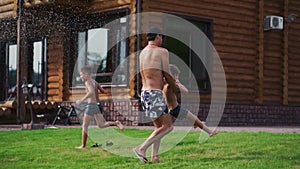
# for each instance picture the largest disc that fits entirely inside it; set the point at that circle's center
(291, 18)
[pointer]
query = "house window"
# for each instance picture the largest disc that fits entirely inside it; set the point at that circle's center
(37, 71)
(183, 55)
(8, 60)
(94, 46)
(11, 75)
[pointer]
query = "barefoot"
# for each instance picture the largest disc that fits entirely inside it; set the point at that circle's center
(80, 147)
(120, 125)
(155, 160)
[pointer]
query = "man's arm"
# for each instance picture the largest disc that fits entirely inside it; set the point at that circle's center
(166, 72)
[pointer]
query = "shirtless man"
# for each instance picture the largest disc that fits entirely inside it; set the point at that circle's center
(154, 68)
(92, 110)
(174, 107)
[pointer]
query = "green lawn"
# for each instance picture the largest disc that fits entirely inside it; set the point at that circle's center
(54, 148)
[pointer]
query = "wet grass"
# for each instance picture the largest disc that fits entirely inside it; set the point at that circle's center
(54, 148)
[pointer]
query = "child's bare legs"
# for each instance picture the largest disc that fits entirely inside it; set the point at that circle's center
(102, 124)
(84, 135)
(191, 117)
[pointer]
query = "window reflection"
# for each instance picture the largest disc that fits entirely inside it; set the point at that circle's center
(37, 71)
(12, 68)
(93, 51)
(37, 62)
(102, 46)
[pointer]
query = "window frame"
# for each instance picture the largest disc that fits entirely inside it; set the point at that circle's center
(209, 34)
(7, 71)
(84, 25)
(44, 64)
(5, 57)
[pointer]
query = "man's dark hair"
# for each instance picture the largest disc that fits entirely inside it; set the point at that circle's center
(152, 32)
(87, 70)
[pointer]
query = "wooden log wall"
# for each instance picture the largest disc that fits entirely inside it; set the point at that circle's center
(8, 8)
(273, 56)
(294, 54)
(55, 68)
(235, 38)
(102, 5)
(260, 66)
(73, 3)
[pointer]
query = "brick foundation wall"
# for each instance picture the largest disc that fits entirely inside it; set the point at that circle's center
(125, 111)
(256, 115)
(233, 115)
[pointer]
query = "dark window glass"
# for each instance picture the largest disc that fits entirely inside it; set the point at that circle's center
(183, 56)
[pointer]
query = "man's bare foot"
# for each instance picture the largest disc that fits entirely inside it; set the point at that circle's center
(155, 159)
(120, 125)
(80, 147)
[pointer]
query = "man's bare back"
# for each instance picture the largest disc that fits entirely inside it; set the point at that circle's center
(152, 66)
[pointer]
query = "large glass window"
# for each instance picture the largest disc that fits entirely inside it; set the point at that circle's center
(36, 69)
(92, 51)
(101, 48)
(11, 60)
(37, 72)
(183, 55)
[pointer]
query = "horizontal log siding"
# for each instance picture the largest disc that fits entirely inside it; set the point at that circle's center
(55, 67)
(100, 5)
(294, 55)
(273, 56)
(235, 38)
(8, 8)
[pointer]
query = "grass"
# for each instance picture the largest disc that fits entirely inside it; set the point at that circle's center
(54, 148)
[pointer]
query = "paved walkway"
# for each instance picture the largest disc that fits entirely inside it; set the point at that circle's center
(270, 129)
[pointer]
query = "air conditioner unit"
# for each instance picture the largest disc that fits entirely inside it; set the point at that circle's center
(273, 22)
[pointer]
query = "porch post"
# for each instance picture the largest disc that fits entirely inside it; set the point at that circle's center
(21, 63)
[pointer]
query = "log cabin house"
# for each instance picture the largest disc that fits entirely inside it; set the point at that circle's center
(41, 40)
